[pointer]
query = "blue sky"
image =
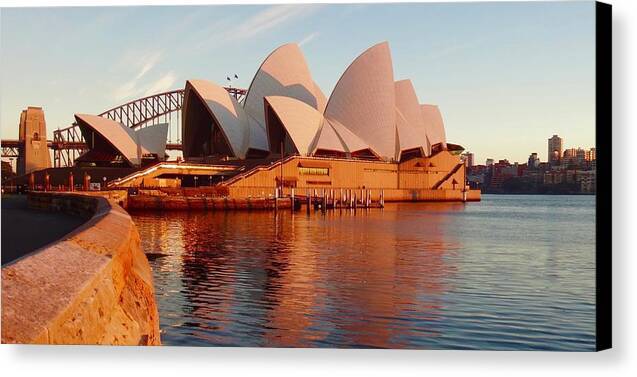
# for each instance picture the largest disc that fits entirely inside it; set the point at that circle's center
(506, 76)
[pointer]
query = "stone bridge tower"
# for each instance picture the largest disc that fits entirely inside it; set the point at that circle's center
(35, 155)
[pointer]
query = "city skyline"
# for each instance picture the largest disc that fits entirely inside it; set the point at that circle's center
(540, 154)
(500, 94)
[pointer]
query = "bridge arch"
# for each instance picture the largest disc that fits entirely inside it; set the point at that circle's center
(68, 144)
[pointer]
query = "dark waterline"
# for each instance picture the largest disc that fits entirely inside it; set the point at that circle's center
(508, 273)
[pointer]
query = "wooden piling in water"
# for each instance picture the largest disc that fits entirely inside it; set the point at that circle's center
(292, 199)
(276, 199)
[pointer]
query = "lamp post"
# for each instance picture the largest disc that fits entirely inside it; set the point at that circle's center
(196, 181)
(103, 183)
(281, 180)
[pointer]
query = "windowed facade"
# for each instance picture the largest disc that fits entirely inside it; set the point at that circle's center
(313, 171)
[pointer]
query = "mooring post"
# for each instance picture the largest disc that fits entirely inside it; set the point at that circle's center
(382, 198)
(292, 199)
(324, 207)
(87, 181)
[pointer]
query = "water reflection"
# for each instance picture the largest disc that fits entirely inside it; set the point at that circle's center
(393, 278)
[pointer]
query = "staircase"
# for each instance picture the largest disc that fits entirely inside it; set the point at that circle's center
(447, 176)
(258, 168)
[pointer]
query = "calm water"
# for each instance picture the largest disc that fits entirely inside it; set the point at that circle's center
(510, 272)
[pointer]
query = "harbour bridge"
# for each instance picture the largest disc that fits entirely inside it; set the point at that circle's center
(68, 144)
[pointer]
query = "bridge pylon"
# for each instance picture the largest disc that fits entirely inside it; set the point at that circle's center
(32, 135)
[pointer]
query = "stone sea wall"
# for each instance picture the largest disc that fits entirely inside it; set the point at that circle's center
(94, 286)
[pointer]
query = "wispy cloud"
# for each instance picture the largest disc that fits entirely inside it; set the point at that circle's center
(126, 90)
(227, 31)
(308, 38)
(215, 34)
(452, 49)
(149, 63)
(144, 64)
(272, 17)
(164, 83)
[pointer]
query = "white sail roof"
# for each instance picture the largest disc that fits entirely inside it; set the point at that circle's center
(283, 73)
(300, 120)
(153, 138)
(224, 109)
(408, 136)
(434, 125)
(364, 102)
(122, 138)
(352, 142)
(367, 111)
(328, 139)
(408, 107)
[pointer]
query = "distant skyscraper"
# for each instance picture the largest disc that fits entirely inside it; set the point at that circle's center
(467, 157)
(569, 156)
(534, 161)
(555, 150)
(580, 156)
(592, 154)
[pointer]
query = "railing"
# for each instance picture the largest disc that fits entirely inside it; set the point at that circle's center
(259, 168)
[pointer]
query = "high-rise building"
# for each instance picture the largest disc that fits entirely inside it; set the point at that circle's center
(555, 150)
(575, 156)
(467, 157)
(534, 161)
(569, 156)
(580, 156)
(592, 154)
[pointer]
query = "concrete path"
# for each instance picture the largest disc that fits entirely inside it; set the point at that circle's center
(25, 230)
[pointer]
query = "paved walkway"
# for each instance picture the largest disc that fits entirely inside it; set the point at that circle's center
(25, 230)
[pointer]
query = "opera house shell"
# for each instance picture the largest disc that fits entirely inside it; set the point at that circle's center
(369, 115)
(112, 143)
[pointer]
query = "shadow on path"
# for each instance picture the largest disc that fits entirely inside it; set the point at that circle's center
(25, 230)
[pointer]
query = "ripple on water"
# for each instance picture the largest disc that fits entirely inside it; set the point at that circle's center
(506, 273)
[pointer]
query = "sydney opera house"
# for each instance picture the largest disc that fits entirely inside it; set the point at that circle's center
(372, 132)
(368, 115)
